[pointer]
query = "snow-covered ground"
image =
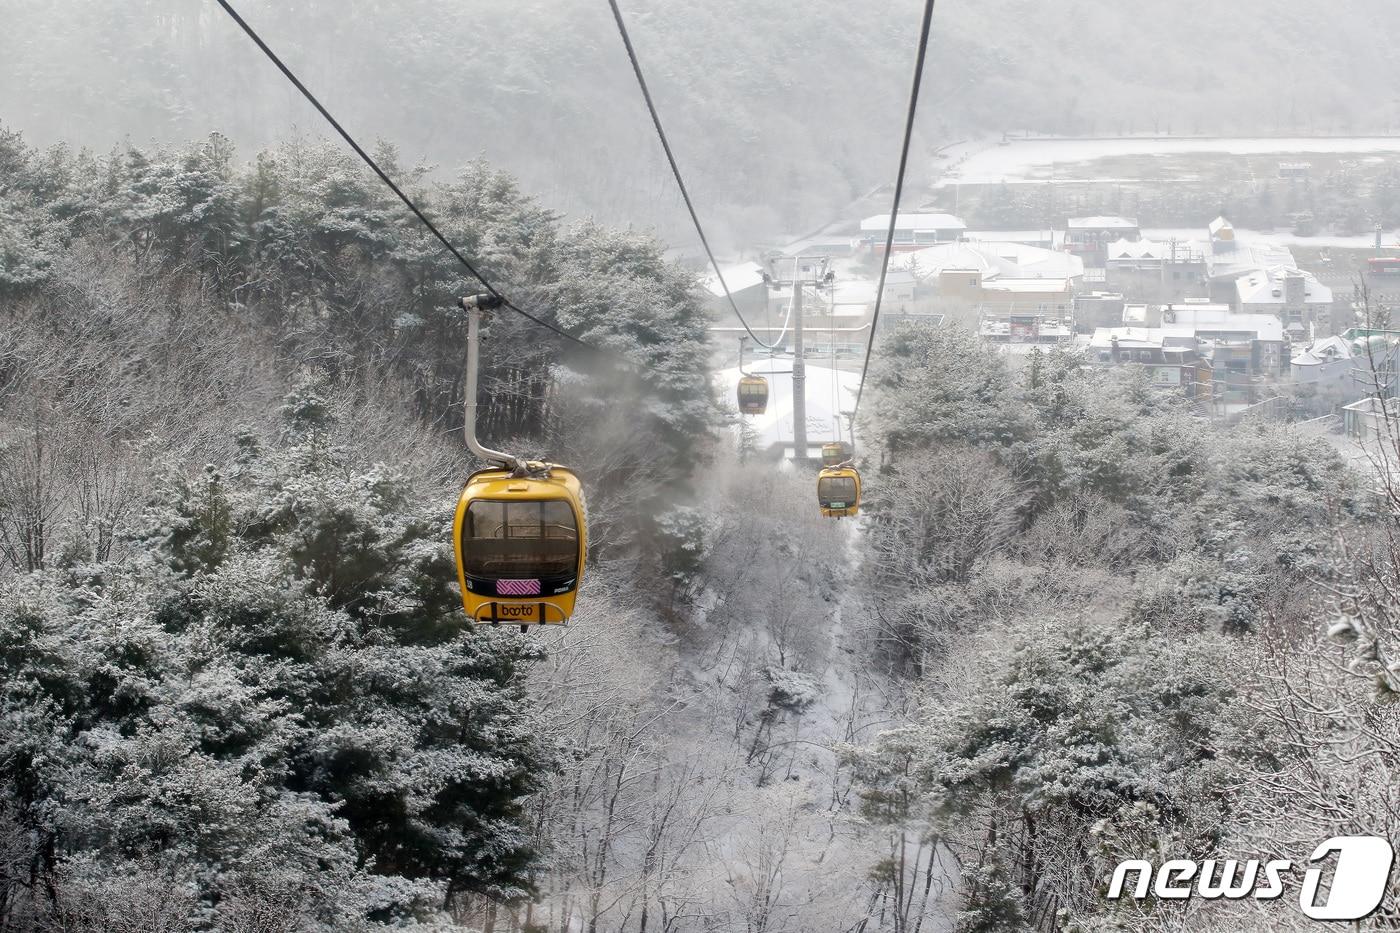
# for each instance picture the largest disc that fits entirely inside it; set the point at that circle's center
(986, 162)
(1389, 238)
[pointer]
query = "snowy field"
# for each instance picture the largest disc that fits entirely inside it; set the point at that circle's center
(1282, 237)
(984, 162)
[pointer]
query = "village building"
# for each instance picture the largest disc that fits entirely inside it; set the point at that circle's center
(830, 245)
(1088, 237)
(1093, 310)
(837, 322)
(1173, 359)
(1041, 239)
(1243, 345)
(1018, 310)
(1150, 270)
(1339, 370)
(747, 286)
(911, 231)
(1245, 353)
(1138, 315)
(1297, 298)
(1026, 291)
(856, 297)
(995, 259)
(1366, 421)
(1230, 256)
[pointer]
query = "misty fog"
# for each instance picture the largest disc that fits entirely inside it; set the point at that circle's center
(774, 109)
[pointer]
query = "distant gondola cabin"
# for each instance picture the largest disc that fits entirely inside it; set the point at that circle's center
(753, 395)
(835, 453)
(838, 492)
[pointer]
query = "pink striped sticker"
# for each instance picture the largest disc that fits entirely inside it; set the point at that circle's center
(517, 587)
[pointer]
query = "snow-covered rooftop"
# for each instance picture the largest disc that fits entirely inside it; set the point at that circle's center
(1135, 249)
(821, 244)
(1247, 256)
(738, 276)
(1028, 237)
(1221, 229)
(1372, 406)
(901, 278)
(1000, 259)
(1247, 326)
(1135, 314)
(1326, 350)
(1059, 284)
(879, 222)
(857, 296)
(1102, 223)
(1139, 338)
(1270, 286)
(1219, 319)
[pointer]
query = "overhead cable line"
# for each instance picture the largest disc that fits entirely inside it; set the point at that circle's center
(676, 171)
(898, 190)
(408, 202)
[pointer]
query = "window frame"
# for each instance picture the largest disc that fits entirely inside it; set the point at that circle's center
(557, 572)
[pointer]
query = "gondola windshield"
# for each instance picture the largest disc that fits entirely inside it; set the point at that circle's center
(520, 539)
(836, 491)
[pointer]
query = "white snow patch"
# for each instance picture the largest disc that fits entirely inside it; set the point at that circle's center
(988, 163)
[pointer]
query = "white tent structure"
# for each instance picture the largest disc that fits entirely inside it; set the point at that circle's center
(829, 392)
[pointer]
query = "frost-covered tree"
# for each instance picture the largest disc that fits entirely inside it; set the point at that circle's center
(933, 386)
(1061, 728)
(306, 241)
(279, 692)
(992, 903)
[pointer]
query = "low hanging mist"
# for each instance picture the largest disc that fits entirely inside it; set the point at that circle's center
(777, 113)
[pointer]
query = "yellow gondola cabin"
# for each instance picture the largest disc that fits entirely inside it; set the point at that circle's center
(835, 453)
(753, 395)
(521, 543)
(520, 532)
(838, 492)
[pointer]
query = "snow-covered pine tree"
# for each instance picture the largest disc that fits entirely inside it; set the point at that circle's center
(278, 692)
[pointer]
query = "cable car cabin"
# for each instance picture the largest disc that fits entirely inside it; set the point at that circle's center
(753, 395)
(835, 453)
(838, 492)
(520, 545)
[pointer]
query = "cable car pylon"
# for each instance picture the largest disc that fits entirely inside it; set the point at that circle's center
(520, 533)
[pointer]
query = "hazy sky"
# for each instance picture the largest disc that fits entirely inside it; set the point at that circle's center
(779, 120)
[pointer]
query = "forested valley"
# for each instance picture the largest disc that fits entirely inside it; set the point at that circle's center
(237, 693)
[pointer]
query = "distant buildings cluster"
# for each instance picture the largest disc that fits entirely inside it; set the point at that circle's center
(1219, 316)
